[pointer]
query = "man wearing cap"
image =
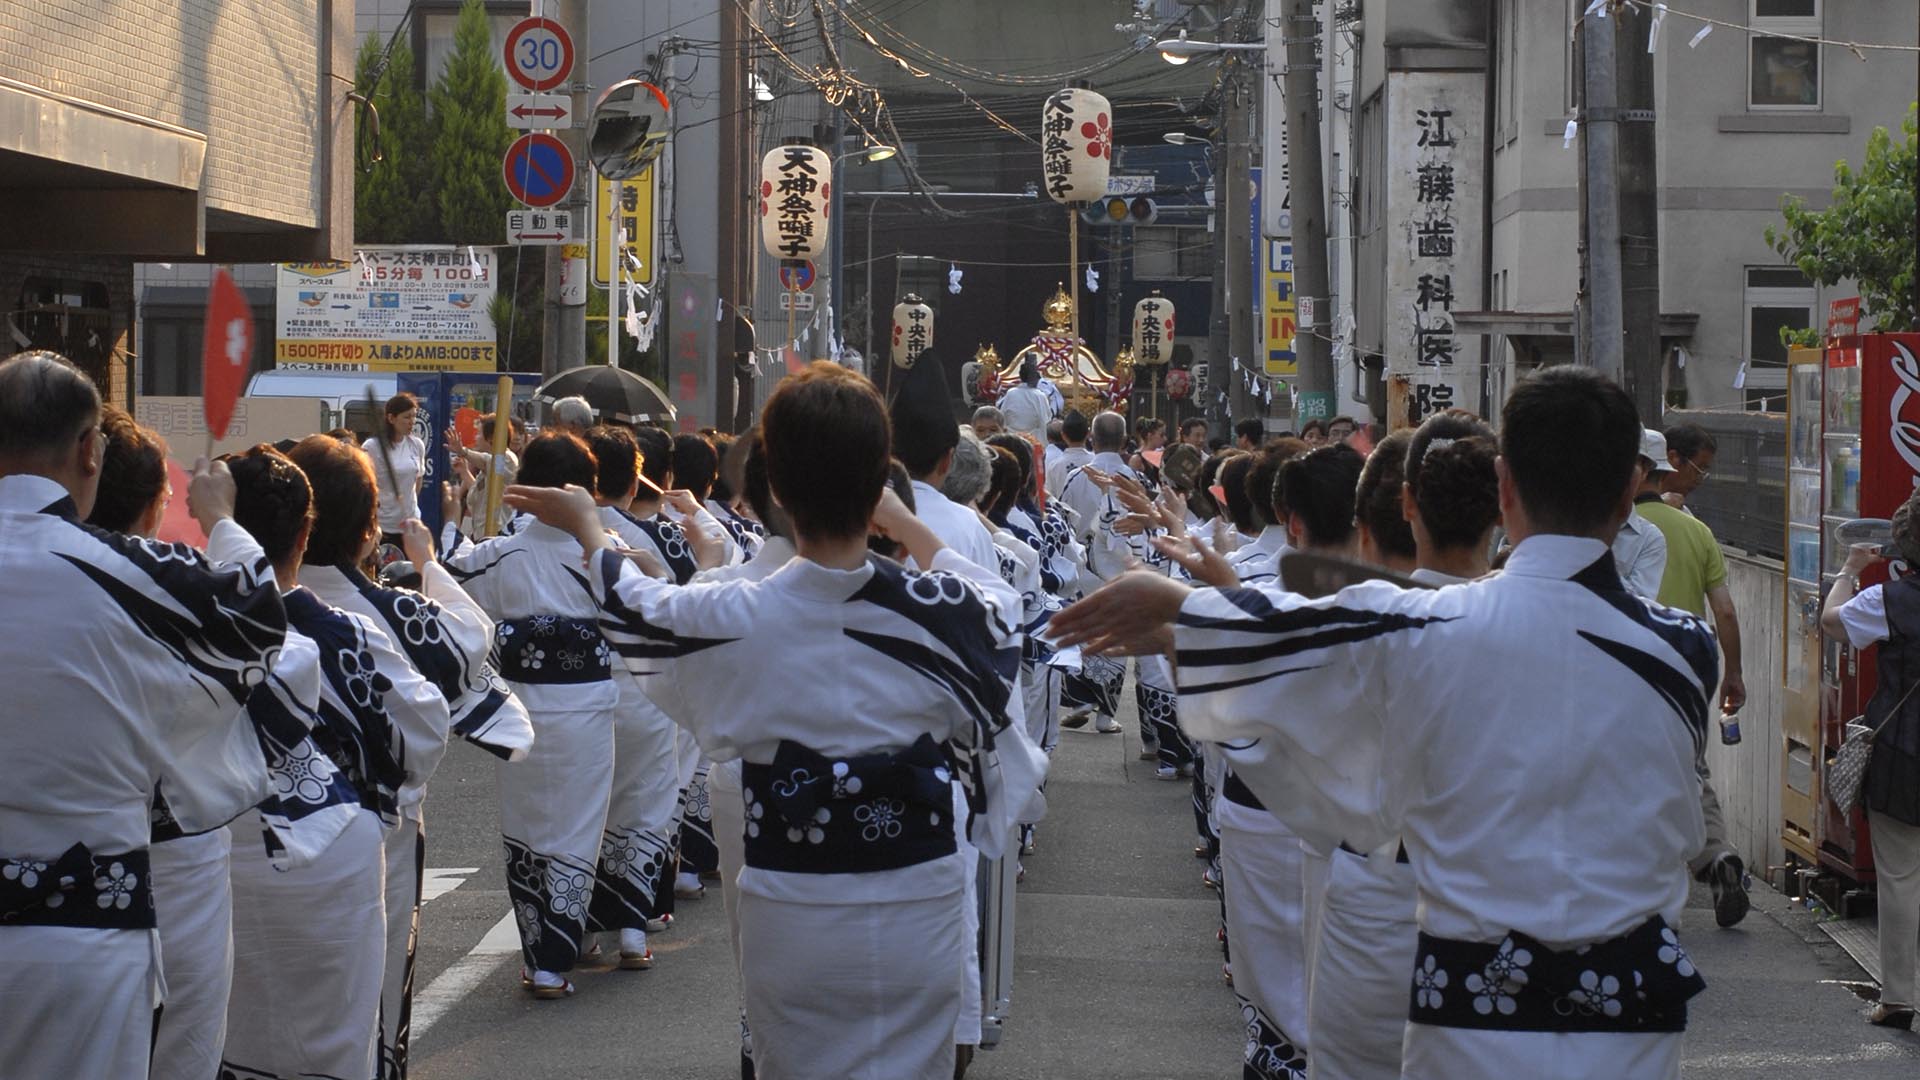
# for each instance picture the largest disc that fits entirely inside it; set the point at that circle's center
(1640, 551)
(1694, 581)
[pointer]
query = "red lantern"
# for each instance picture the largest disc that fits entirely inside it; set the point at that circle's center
(1179, 384)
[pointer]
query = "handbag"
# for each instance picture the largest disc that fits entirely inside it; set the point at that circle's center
(1847, 772)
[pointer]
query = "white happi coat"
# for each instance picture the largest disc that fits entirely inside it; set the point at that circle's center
(1589, 704)
(739, 664)
(128, 662)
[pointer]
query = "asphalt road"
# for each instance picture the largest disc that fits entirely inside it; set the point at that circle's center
(1118, 974)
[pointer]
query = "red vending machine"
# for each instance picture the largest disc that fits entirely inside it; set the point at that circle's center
(1853, 452)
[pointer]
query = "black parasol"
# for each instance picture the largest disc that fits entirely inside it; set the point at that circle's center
(617, 395)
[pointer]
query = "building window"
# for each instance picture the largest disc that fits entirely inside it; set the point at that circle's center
(1777, 297)
(1783, 73)
(1506, 74)
(170, 343)
(1170, 253)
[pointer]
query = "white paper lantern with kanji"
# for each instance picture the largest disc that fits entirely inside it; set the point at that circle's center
(796, 189)
(912, 331)
(1153, 331)
(1076, 145)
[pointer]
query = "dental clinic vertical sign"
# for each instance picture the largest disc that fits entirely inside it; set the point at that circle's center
(1435, 190)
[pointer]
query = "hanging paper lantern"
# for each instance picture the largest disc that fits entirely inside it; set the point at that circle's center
(912, 331)
(1076, 145)
(1179, 384)
(1153, 331)
(796, 188)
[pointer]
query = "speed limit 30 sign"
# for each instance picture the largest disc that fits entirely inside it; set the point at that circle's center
(539, 53)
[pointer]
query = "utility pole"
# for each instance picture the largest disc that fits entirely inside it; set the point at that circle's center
(1639, 218)
(563, 333)
(1308, 201)
(1619, 311)
(1219, 369)
(1241, 289)
(733, 383)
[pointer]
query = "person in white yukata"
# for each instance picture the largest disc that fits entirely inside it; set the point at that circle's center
(1073, 454)
(850, 950)
(1096, 690)
(1392, 723)
(633, 890)
(310, 948)
(446, 639)
(554, 803)
(129, 662)
(723, 781)
(1357, 1005)
(926, 441)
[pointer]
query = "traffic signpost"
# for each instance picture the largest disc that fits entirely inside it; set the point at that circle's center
(541, 227)
(539, 170)
(796, 301)
(797, 276)
(529, 112)
(539, 54)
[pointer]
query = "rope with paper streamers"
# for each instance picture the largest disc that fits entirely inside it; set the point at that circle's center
(1599, 9)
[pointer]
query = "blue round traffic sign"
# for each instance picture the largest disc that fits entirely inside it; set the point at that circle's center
(539, 170)
(796, 275)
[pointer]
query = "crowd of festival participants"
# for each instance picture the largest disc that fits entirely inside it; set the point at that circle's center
(1450, 811)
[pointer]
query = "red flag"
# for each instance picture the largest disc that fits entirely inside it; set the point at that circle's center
(226, 354)
(177, 525)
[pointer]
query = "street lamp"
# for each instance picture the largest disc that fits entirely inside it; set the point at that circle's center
(870, 154)
(1179, 50)
(1181, 138)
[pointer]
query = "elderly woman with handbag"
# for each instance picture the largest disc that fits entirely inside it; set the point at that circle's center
(1888, 787)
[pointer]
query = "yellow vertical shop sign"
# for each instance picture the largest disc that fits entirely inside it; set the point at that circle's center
(636, 217)
(1278, 319)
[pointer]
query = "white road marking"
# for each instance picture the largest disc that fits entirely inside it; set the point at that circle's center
(466, 973)
(1773, 1061)
(443, 880)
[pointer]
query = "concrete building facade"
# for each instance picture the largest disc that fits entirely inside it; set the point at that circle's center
(1743, 119)
(181, 131)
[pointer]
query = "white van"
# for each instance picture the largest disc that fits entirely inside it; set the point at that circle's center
(344, 392)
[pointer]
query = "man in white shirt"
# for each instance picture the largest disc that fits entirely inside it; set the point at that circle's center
(1026, 407)
(1073, 430)
(1640, 551)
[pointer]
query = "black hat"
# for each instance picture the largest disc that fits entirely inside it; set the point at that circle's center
(924, 424)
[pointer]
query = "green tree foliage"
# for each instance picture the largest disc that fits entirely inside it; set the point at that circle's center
(389, 202)
(1866, 235)
(471, 135)
(518, 309)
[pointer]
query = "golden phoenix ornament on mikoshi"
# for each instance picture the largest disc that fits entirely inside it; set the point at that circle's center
(1084, 382)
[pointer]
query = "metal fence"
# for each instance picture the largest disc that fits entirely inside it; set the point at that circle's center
(1744, 499)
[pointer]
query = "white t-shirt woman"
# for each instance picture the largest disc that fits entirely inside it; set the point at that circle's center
(400, 489)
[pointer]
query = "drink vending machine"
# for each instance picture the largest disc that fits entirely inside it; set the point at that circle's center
(1853, 452)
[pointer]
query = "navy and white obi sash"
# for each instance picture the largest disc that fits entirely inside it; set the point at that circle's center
(810, 814)
(1638, 982)
(78, 889)
(551, 650)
